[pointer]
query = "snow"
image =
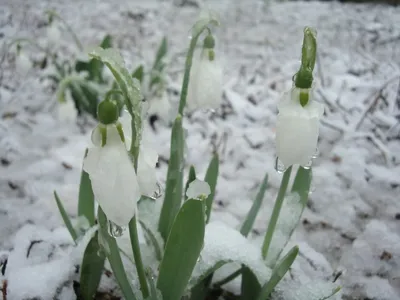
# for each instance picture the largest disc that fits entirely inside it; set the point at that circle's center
(354, 210)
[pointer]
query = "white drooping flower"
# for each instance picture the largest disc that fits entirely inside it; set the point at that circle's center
(147, 159)
(53, 33)
(66, 110)
(22, 63)
(198, 188)
(111, 172)
(297, 128)
(205, 82)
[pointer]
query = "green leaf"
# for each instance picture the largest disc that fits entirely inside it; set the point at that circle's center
(129, 86)
(191, 178)
(211, 178)
(182, 250)
(161, 52)
(250, 286)
(111, 249)
(139, 73)
(252, 214)
(65, 218)
(200, 291)
(292, 209)
(86, 197)
(278, 272)
(174, 182)
(106, 42)
(302, 183)
(91, 269)
(152, 239)
(155, 293)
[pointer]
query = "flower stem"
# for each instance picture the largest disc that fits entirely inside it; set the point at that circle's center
(186, 76)
(69, 29)
(138, 257)
(304, 77)
(275, 212)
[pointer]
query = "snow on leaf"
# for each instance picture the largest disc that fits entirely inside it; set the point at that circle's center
(222, 245)
(313, 290)
(288, 219)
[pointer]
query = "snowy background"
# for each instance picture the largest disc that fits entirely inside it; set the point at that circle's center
(352, 223)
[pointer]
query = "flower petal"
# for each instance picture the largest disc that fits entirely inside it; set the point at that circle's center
(197, 188)
(114, 181)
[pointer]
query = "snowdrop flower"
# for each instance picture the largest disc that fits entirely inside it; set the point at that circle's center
(111, 172)
(53, 34)
(198, 189)
(205, 84)
(66, 110)
(297, 127)
(147, 159)
(22, 63)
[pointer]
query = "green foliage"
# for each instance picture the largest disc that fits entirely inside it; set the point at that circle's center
(182, 250)
(91, 269)
(173, 190)
(211, 178)
(86, 198)
(65, 218)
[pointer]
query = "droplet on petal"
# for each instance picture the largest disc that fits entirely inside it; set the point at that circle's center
(198, 188)
(308, 165)
(115, 230)
(316, 153)
(279, 166)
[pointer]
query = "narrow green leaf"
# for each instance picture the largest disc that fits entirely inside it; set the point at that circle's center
(155, 294)
(302, 183)
(106, 42)
(182, 250)
(139, 73)
(252, 214)
(275, 212)
(200, 290)
(151, 237)
(65, 218)
(161, 52)
(250, 287)
(278, 272)
(91, 269)
(114, 257)
(86, 197)
(191, 177)
(174, 182)
(211, 178)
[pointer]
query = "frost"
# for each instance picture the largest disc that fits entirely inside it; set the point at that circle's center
(287, 222)
(222, 245)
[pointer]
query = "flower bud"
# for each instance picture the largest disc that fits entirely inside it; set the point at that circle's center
(107, 112)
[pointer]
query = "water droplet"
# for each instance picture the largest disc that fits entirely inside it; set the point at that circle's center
(316, 153)
(115, 230)
(159, 192)
(312, 189)
(308, 165)
(279, 166)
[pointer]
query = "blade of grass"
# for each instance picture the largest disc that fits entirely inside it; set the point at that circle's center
(86, 197)
(252, 214)
(91, 269)
(211, 178)
(250, 286)
(65, 218)
(173, 190)
(182, 250)
(276, 211)
(277, 274)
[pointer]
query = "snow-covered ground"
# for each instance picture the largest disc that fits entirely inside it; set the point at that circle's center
(352, 223)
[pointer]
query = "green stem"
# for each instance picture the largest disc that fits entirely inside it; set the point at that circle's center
(275, 212)
(304, 77)
(69, 29)
(186, 76)
(138, 257)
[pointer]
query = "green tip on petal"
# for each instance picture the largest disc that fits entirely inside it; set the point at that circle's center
(303, 98)
(209, 42)
(107, 112)
(211, 55)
